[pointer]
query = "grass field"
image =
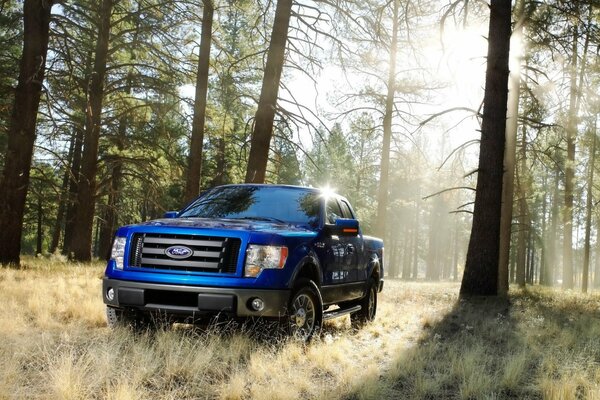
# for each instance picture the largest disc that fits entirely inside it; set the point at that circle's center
(54, 344)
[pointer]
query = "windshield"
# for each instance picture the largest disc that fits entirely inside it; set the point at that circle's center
(277, 204)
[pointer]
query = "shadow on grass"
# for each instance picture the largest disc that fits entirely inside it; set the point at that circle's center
(263, 331)
(537, 344)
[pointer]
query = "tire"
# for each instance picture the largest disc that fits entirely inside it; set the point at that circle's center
(135, 320)
(305, 311)
(368, 305)
(122, 318)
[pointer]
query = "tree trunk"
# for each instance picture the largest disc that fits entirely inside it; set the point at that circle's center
(265, 113)
(21, 134)
(554, 226)
(40, 220)
(510, 155)
(530, 277)
(407, 252)
(382, 195)
(481, 268)
(72, 195)
(110, 217)
(221, 162)
(86, 193)
(588, 217)
(75, 168)
(455, 253)
(524, 218)
(544, 251)
(597, 269)
(192, 185)
(432, 272)
(63, 200)
(574, 100)
(415, 246)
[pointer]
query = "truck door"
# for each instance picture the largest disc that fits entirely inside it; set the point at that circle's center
(354, 246)
(339, 265)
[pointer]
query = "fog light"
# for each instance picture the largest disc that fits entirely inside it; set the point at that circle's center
(110, 294)
(257, 304)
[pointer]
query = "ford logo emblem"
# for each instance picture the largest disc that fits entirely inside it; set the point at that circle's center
(179, 252)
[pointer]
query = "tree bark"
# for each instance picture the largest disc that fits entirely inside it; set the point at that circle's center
(481, 268)
(22, 134)
(192, 185)
(86, 193)
(383, 192)
(265, 114)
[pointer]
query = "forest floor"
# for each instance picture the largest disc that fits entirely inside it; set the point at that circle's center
(425, 343)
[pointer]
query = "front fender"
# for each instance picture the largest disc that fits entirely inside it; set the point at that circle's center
(312, 261)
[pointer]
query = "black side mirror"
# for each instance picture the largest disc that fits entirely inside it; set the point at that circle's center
(343, 227)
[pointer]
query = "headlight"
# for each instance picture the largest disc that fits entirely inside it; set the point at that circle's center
(118, 251)
(264, 257)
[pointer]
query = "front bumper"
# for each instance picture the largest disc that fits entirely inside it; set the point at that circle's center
(193, 300)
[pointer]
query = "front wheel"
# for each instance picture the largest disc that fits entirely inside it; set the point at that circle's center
(136, 320)
(122, 318)
(368, 306)
(305, 310)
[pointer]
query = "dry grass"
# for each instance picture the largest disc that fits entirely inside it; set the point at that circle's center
(54, 344)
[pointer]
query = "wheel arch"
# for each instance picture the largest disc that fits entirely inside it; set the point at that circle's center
(374, 270)
(308, 268)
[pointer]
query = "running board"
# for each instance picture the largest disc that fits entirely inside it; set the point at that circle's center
(327, 315)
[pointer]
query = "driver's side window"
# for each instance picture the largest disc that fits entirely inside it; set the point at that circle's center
(333, 211)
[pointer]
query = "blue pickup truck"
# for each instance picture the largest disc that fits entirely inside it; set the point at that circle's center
(287, 252)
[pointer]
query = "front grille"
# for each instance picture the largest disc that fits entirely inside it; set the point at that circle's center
(210, 254)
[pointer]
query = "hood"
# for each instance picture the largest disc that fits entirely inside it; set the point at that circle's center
(229, 224)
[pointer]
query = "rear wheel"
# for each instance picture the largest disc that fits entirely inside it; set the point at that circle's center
(368, 306)
(305, 310)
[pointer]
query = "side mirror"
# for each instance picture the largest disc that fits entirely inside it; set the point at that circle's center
(171, 214)
(343, 227)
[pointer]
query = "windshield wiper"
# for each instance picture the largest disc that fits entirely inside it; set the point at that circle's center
(270, 219)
